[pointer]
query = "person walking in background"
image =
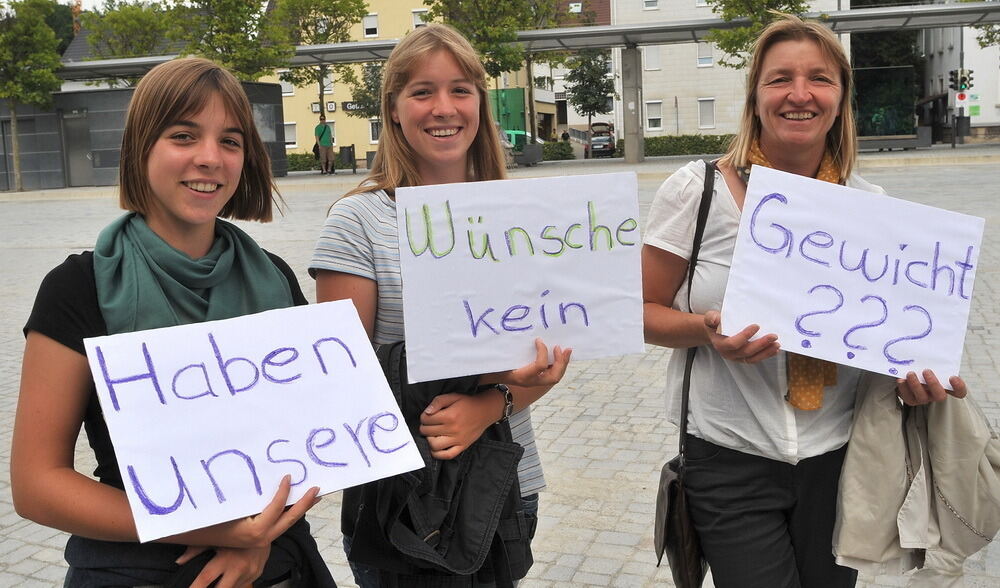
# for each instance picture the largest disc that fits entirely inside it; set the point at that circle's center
(324, 140)
(761, 470)
(438, 130)
(190, 153)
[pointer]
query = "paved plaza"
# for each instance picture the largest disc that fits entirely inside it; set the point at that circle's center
(602, 432)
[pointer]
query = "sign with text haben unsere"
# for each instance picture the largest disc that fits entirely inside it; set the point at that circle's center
(207, 418)
(852, 277)
(489, 266)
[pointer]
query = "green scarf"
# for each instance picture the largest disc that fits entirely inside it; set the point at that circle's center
(144, 283)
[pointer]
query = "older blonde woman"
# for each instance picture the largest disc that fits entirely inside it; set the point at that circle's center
(762, 471)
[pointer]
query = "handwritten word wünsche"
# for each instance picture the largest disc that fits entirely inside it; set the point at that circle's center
(549, 240)
(231, 466)
(926, 271)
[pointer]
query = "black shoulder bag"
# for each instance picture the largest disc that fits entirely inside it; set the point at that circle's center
(674, 531)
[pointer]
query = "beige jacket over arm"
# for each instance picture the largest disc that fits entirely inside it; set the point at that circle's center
(920, 487)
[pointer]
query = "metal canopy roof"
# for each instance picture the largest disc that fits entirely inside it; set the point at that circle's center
(846, 21)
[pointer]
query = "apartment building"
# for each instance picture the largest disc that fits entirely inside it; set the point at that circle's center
(684, 89)
(947, 49)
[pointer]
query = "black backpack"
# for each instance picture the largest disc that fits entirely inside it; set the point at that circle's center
(453, 522)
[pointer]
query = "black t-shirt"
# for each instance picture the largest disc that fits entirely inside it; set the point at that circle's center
(66, 310)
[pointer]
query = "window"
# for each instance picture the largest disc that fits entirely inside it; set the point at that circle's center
(287, 88)
(706, 113)
(418, 18)
(650, 4)
(291, 140)
(370, 25)
(705, 54)
(701, 2)
(654, 115)
(328, 83)
(374, 129)
(650, 58)
(333, 133)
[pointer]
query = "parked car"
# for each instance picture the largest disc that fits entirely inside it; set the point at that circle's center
(602, 139)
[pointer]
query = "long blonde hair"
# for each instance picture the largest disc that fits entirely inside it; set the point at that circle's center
(842, 138)
(394, 165)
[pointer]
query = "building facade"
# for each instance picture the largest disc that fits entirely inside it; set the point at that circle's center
(685, 90)
(955, 48)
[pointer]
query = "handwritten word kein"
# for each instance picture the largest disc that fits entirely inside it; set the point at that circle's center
(869, 280)
(500, 263)
(207, 418)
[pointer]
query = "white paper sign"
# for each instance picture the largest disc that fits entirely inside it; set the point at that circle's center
(207, 418)
(489, 266)
(852, 277)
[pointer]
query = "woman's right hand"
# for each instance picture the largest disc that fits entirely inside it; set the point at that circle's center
(739, 347)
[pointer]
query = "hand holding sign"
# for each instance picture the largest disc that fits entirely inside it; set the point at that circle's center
(740, 346)
(852, 277)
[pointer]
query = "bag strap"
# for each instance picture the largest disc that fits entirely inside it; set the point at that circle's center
(699, 231)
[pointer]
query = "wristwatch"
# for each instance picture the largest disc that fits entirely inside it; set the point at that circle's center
(508, 399)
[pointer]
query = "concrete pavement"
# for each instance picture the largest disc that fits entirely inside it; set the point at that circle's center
(602, 432)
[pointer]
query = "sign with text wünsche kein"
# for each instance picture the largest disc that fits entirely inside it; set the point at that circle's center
(487, 267)
(852, 277)
(207, 418)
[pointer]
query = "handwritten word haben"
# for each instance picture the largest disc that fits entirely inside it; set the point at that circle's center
(551, 240)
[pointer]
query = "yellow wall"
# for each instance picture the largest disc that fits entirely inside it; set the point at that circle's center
(395, 19)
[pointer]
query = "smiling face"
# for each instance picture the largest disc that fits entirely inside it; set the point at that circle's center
(438, 113)
(798, 98)
(194, 168)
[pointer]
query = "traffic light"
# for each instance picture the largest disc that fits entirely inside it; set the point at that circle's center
(953, 79)
(966, 79)
(963, 80)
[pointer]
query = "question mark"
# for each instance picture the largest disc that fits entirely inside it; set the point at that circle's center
(885, 315)
(798, 321)
(930, 326)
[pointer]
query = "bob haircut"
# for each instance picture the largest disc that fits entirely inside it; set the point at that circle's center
(842, 139)
(170, 92)
(394, 163)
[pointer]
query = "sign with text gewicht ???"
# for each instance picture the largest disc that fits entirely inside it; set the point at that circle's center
(852, 277)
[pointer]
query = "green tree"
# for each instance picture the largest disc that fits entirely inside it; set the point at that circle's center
(28, 62)
(491, 27)
(589, 88)
(988, 35)
(366, 93)
(317, 22)
(239, 34)
(124, 29)
(736, 42)
(60, 20)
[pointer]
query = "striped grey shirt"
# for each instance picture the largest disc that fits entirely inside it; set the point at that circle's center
(359, 237)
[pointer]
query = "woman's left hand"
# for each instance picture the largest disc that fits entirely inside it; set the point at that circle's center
(913, 393)
(539, 373)
(230, 567)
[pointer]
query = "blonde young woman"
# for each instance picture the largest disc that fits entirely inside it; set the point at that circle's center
(762, 471)
(190, 154)
(438, 129)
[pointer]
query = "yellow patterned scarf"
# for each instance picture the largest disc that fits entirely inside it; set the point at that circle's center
(807, 376)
